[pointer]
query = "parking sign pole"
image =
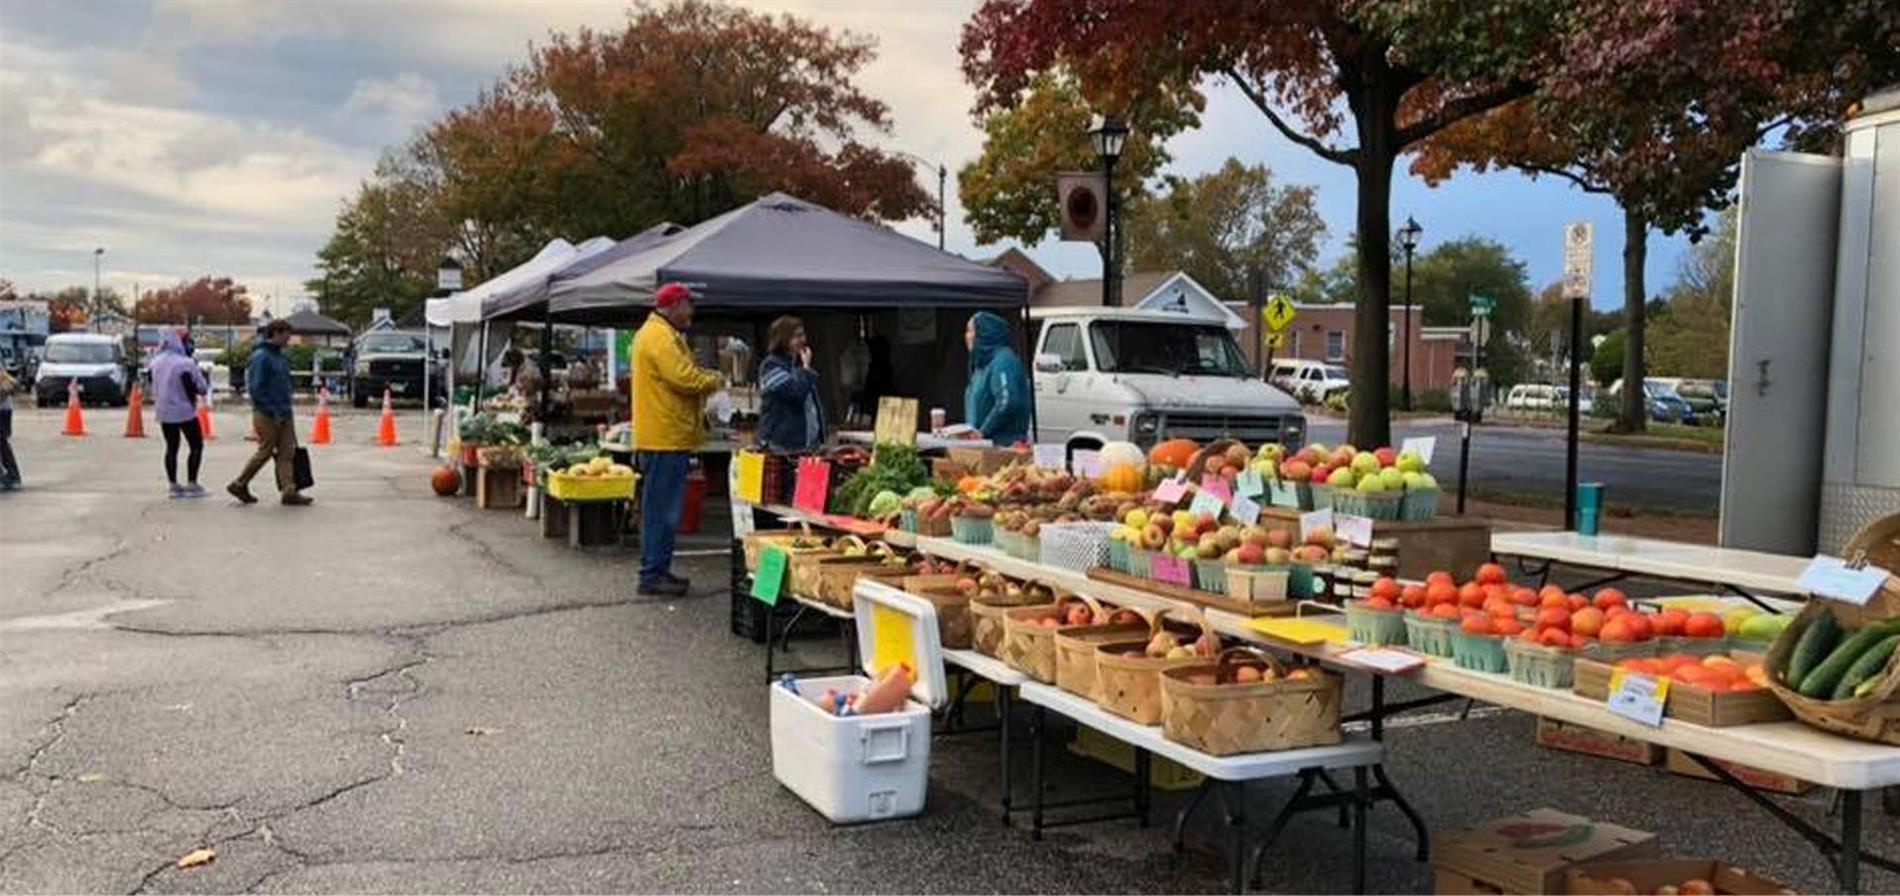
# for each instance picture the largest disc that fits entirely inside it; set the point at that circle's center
(1578, 263)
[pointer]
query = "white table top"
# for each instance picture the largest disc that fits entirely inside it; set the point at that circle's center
(824, 608)
(1653, 556)
(986, 667)
(1244, 767)
(925, 441)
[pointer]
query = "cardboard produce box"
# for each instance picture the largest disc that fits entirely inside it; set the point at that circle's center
(1529, 853)
(1591, 742)
(1776, 782)
(1651, 876)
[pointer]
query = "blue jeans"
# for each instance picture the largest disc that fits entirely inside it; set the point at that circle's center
(663, 495)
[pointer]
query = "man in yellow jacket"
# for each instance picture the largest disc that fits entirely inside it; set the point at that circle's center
(669, 392)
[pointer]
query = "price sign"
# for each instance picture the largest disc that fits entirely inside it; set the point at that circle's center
(1245, 510)
(1052, 457)
(1170, 570)
(1383, 659)
(1205, 503)
(892, 641)
(1422, 445)
(813, 486)
(751, 474)
(1170, 491)
(1250, 483)
(1088, 464)
(1832, 578)
(1639, 698)
(1217, 486)
(770, 577)
(1314, 521)
(1354, 530)
(896, 422)
(741, 519)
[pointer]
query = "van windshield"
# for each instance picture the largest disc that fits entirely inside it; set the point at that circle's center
(80, 353)
(1132, 346)
(1337, 373)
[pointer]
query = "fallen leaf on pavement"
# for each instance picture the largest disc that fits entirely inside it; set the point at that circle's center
(483, 732)
(197, 857)
(91, 778)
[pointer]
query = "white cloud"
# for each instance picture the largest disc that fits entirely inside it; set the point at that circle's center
(408, 98)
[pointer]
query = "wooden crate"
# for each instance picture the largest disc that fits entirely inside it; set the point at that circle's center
(553, 517)
(1457, 545)
(498, 489)
(1559, 735)
(1208, 599)
(1653, 875)
(1529, 853)
(1689, 703)
(1774, 782)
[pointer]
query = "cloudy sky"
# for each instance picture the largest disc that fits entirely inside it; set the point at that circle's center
(219, 136)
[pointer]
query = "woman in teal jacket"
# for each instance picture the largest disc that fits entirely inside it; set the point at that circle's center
(997, 400)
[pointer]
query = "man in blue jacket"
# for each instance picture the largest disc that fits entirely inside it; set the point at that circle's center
(268, 382)
(997, 400)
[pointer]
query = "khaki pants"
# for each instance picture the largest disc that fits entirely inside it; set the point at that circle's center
(275, 439)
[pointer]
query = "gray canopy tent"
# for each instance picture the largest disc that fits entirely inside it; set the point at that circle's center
(862, 289)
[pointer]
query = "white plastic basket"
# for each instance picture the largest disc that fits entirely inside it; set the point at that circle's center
(1078, 547)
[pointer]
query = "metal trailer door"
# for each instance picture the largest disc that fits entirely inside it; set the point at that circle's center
(1778, 351)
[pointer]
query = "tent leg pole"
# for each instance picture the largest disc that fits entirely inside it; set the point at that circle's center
(547, 374)
(1029, 350)
(481, 366)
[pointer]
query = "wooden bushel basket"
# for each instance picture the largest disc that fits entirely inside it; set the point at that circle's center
(1226, 718)
(988, 625)
(954, 628)
(1075, 652)
(1198, 466)
(1131, 685)
(1030, 647)
(756, 543)
(1875, 716)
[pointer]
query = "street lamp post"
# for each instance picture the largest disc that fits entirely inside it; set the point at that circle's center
(1109, 134)
(943, 178)
(1408, 237)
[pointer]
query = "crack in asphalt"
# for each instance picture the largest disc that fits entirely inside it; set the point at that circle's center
(488, 553)
(27, 772)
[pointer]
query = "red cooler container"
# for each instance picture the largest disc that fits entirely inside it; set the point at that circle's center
(695, 500)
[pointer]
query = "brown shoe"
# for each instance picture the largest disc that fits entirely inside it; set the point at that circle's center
(295, 499)
(241, 492)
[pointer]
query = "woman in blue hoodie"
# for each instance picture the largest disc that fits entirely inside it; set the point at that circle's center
(791, 414)
(997, 400)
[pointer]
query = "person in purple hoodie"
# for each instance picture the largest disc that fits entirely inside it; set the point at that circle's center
(177, 382)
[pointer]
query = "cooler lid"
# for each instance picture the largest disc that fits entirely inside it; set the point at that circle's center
(896, 627)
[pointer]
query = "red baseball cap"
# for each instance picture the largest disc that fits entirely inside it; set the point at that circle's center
(671, 294)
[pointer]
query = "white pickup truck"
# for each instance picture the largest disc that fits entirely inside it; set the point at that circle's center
(1114, 374)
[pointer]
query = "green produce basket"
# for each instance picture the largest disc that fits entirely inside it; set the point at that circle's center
(1322, 497)
(907, 519)
(1299, 581)
(1006, 541)
(972, 529)
(1371, 505)
(1119, 558)
(1377, 627)
(1286, 493)
(1540, 666)
(1140, 562)
(1429, 636)
(1481, 653)
(1211, 575)
(1419, 505)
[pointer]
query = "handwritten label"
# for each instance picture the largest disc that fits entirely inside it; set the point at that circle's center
(1250, 483)
(741, 519)
(770, 577)
(1423, 445)
(1832, 578)
(1639, 698)
(1245, 510)
(896, 421)
(1087, 464)
(814, 485)
(1315, 520)
(1383, 659)
(1052, 457)
(1170, 570)
(1354, 530)
(1205, 503)
(1218, 487)
(1170, 491)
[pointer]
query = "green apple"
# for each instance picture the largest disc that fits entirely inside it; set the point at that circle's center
(1425, 481)
(1410, 462)
(1365, 462)
(1341, 478)
(1372, 484)
(1391, 478)
(1271, 451)
(1188, 552)
(1137, 518)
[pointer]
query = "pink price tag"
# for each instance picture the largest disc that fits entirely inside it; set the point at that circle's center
(814, 484)
(1170, 570)
(1218, 487)
(1170, 491)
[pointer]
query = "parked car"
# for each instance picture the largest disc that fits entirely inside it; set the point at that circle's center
(388, 359)
(95, 361)
(1702, 395)
(1662, 404)
(1311, 382)
(1109, 374)
(1534, 397)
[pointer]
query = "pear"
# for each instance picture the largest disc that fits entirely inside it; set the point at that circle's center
(1161, 644)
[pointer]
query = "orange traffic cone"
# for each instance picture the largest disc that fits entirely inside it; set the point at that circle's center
(320, 430)
(204, 419)
(135, 414)
(75, 418)
(386, 430)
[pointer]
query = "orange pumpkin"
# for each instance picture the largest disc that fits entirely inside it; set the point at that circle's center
(1123, 478)
(1176, 453)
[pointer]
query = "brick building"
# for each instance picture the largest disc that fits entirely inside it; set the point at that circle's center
(1324, 333)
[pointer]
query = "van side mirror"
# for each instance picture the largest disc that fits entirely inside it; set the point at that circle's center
(1048, 363)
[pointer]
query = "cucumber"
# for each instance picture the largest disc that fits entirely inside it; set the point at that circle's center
(1813, 644)
(1866, 687)
(1866, 667)
(1820, 683)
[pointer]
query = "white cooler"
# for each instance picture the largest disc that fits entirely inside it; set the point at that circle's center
(865, 768)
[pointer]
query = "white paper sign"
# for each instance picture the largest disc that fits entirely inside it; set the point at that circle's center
(1317, 519)
(1246, 510)
(1383, 659)
(1639, 698)
(1424, 445)
(1088, 464)
(1831, 577)
(741, 518)
(1052, 457)
(1354, 530)
(1206, 504)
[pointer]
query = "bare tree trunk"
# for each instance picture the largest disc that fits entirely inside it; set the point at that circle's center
(1370, 422)
(1634, 412)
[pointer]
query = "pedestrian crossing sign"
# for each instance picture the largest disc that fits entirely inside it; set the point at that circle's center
(1277, 314)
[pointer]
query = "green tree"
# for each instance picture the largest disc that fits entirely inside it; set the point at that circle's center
(1606, 363)
(1225, 227)
(383, 253)
(1690, 336)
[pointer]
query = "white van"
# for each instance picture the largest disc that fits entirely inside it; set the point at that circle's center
(1121, 374)
(1533, 397)
(95, 361)
(1311, 382)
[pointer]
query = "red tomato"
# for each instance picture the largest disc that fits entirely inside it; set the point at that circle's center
(1554, 617)
(1704, 625)
(1524, 597)
(1641, 629)
(1412, 596)
(1610, 597)
(1553, 637)
(1506, 627)
(1476, 625)
(1492, 574)
(1669, 623)
(1471, 595)
(1557, 600)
